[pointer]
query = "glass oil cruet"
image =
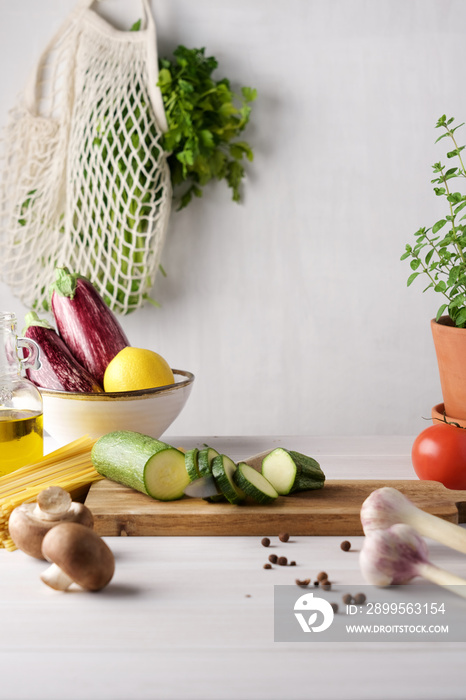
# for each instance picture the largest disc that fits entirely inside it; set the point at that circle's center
(21, 432)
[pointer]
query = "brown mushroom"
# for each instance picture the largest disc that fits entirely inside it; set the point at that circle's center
(78, 555)
(30, 522)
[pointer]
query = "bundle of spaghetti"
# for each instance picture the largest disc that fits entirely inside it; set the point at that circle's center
(69, 467)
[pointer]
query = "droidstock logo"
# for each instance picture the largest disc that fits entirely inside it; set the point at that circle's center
(308, 604)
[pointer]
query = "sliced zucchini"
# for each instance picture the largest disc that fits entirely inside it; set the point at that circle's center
(204, 464)
(204, 487)
(290, 471)
(165, 475)
(142, 463)
(204, 460)
(279, 468)
(253, 484)
(190, 460)
(223, 470)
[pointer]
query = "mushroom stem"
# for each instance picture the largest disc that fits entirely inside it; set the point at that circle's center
(442, 578)
(43, 515)
(53, 503)
(388, 506)
(56, 578)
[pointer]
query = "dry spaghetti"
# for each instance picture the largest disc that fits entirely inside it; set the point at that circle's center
(69, 467)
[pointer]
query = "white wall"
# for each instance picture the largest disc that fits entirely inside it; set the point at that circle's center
(292, 308)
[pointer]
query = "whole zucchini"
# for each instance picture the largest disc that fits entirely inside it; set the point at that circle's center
(59, 369)
(142, 463)
(84, 321)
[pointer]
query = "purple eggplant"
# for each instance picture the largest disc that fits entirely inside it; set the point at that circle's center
(59, 369)
(84, 321)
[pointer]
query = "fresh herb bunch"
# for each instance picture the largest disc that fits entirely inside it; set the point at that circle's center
(204, 117)
(444, 263)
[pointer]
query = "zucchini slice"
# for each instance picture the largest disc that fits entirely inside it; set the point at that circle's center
(165, 475)
(204, 460)
(204, 487)
(223, 470)
(190, 460)
(253, 484)
(290, 471)
(142, 463)
(204, 464)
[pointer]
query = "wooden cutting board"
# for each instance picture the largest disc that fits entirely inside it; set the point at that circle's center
(333, 510)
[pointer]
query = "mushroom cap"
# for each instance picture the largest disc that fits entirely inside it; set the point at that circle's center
(28, 524)
(26, 531)
(81, 554)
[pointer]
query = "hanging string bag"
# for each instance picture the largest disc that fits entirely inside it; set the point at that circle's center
(84, 178)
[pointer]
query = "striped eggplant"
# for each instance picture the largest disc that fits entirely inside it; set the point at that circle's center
(59, 369)
(84, 321)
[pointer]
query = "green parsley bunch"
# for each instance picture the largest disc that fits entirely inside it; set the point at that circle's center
(204, 120)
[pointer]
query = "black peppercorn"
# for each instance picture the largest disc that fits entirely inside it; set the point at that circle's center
(359, 598)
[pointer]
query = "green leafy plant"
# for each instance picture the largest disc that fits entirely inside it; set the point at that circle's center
(442, 256)
(204, 118)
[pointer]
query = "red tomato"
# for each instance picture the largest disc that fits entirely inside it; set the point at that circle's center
(439, 454)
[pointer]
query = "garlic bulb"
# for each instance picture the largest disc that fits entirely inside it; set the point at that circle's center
(387, 506)
(397, 555)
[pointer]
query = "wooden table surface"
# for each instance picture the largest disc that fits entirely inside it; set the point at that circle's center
(192, 617)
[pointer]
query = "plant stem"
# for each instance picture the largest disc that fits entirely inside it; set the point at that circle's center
(430, 277)
(432, 243)
(452, 136)
(448, 264)
(455, 242)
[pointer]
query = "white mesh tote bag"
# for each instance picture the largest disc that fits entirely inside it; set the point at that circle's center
(85, 181)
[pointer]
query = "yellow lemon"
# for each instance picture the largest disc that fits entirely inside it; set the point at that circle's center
(134, 368)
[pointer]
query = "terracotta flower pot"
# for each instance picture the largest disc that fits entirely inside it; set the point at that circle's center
(439, 417)
(450, 347)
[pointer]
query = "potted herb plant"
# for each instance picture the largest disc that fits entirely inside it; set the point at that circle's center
(439, 255)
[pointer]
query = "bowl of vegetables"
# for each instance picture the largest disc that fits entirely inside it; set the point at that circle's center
(70, 415)
(91, 379)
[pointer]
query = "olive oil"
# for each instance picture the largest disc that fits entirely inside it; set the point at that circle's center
(21, 439)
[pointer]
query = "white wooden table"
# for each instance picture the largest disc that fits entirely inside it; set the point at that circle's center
(193, 617)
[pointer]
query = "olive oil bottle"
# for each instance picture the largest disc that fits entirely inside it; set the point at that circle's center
(21, 439)
(21, 432)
